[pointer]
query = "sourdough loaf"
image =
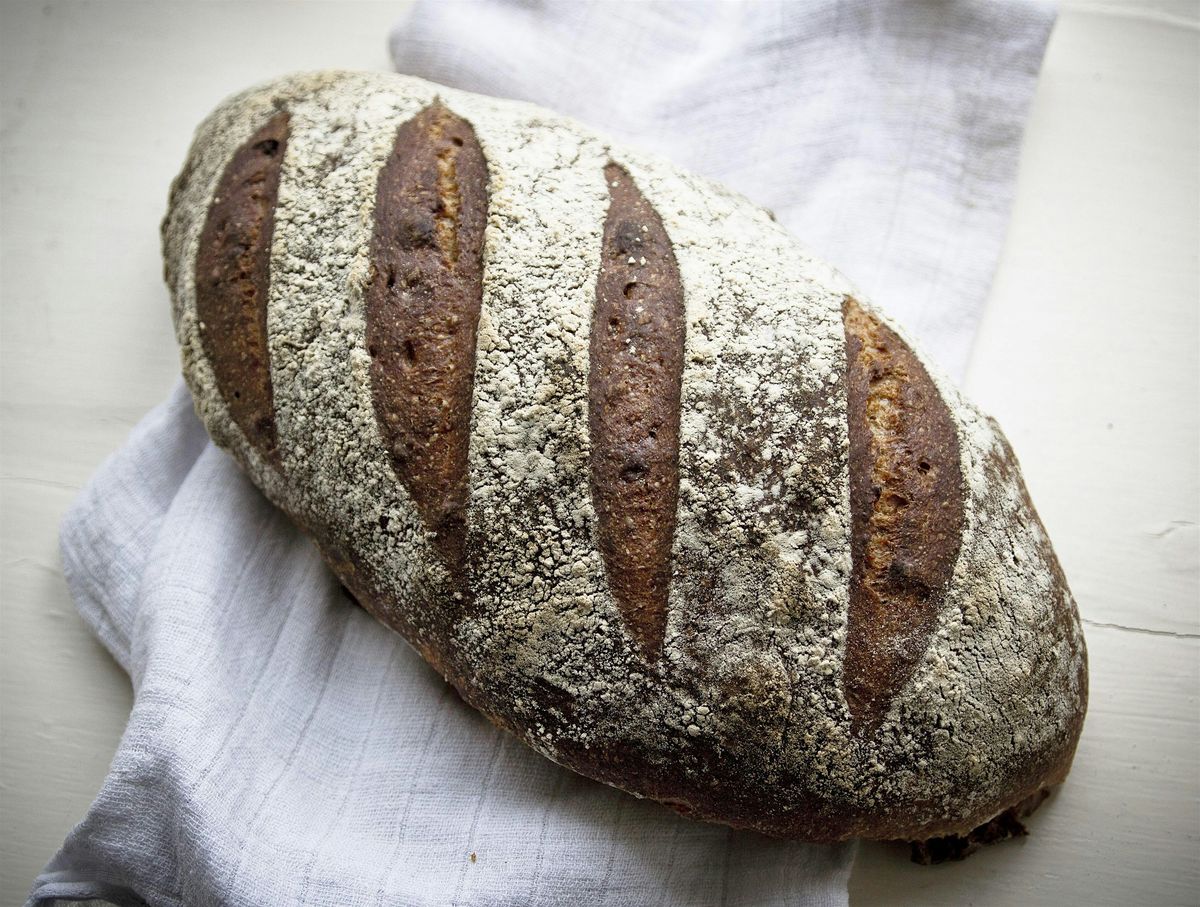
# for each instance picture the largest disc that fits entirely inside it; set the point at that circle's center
(655, 490)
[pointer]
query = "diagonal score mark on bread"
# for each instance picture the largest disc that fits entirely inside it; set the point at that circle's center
(636, 352)
(232, 280)
(422, 313)
(906, 513)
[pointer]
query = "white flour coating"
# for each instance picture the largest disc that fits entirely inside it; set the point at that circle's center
(751, 668)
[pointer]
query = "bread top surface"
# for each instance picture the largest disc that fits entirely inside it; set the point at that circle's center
(736, 708)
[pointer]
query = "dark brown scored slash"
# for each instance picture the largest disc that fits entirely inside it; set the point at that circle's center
(422, 313)
(233, 270)
(634, 403)
(906, 513)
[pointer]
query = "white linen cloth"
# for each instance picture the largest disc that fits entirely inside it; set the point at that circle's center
(286, 749)
(882, 133)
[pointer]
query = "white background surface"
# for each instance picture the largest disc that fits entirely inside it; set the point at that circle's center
(1088, 357)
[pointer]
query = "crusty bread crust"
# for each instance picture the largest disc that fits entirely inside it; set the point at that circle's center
(743, 717)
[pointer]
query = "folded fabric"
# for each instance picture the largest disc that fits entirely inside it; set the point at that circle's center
(284, 748)
(883, 133)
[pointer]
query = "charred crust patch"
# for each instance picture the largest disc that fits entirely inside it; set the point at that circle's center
(636, 353)
(906, 513)
(233, 270)
(422, 314)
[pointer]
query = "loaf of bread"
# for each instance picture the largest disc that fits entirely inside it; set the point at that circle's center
(655, 490)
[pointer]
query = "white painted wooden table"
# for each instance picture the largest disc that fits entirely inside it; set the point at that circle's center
(1088, 356)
